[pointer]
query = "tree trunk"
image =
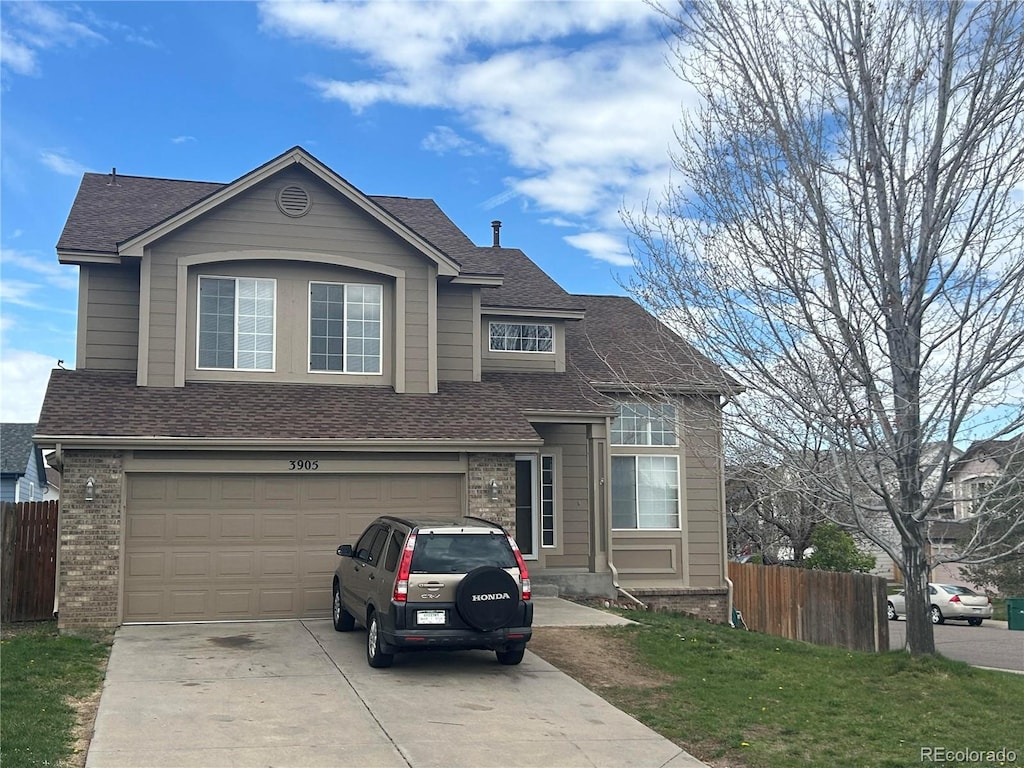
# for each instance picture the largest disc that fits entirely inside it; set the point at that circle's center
(920, 632)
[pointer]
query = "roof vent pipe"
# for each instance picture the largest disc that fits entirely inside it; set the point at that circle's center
(496, 226)
(113, 178)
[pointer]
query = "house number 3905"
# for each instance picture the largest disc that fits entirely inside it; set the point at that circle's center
(307, 465)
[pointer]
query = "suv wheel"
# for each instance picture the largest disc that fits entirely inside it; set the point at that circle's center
(343, 620)
(487, 598)
(375, 657)
(511, 657)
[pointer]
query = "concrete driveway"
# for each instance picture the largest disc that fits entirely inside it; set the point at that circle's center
(991, 645)
(298, 693)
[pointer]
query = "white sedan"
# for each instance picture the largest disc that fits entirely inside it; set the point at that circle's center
(947, 601)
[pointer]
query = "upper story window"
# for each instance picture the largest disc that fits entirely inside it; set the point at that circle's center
(645, 424)
(345, 328)
(522, 337)
(236, 323)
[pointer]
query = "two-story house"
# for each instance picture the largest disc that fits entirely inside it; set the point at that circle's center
(265, 366)
(23, 472)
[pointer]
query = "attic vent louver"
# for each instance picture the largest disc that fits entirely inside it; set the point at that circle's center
(293, 200)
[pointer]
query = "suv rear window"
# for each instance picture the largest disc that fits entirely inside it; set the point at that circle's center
(461, 552)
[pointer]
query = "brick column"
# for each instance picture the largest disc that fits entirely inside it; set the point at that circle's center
(90, 540)
(500, 467)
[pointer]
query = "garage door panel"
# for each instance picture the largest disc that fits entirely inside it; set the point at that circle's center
(237, 547)
(279, 526)
(191, 565)
(144, 564)
(234, 603)
(143, 526)
(189, 604)
(236, 564)
(192, 526)
(239, 527)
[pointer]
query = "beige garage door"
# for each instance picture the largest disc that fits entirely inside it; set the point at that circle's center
(232, 547)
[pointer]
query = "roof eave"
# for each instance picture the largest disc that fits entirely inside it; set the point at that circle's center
(164, 442)
(73, 256)
(563, 314)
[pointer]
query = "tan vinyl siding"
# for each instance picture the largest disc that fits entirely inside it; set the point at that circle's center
(702, 445)
(642, 557)
(333, 227)
(568, 442)
(455, 323)
(522, 361)
(110, 317)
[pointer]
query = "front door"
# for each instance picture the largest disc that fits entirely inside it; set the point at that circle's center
(526, 505)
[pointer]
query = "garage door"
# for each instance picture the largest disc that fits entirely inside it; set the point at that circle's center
(204, 547)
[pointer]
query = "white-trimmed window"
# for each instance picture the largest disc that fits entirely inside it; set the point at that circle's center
(236, 323)
(645, 492)
(645, 424)
(344, 328)
(522, 337)
(547, 501)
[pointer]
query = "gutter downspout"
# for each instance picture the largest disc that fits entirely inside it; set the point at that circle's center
(606, 471)
(59, 459)
(725, 526)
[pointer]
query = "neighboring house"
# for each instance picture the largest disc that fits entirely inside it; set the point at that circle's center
(978, 470)
(23, 477)
(972, 479)
(52, 484)
(265, 366)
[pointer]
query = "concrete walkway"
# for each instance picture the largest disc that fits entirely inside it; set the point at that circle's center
(298, 693)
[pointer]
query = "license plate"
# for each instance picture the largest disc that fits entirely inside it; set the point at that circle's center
(430, 617)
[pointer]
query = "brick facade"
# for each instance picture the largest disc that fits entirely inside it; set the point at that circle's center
(500, 467)
(90, 540)
(707, 603)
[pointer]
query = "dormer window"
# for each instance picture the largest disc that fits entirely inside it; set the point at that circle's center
(522, 337)
(344, 328)
(236, 323)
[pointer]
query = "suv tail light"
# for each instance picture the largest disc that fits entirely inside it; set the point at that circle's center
(401, 592)
(524, 575)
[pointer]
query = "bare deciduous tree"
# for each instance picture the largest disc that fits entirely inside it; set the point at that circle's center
(846, 236)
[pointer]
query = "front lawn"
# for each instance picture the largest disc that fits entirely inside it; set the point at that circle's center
(41, 675)
(745, 699)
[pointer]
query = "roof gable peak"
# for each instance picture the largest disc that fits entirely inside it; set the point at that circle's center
(296, 156)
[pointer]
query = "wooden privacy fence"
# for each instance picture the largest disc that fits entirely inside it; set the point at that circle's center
(29, 563)
(845, 610)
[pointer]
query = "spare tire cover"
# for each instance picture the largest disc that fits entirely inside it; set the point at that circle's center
(487, 598)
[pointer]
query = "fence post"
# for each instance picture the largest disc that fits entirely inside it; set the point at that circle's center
(10, 533)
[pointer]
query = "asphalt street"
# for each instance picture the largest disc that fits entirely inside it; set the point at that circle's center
(990, 645)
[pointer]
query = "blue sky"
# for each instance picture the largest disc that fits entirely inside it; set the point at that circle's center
(550, 116)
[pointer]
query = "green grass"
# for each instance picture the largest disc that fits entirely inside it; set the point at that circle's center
(40, 671)
(754, 700)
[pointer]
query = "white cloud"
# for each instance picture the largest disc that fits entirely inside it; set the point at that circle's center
(602, 246)
(59, 276)
(61, 163)
(32, 27)
(23, 378)
(578, 95)
(183, 139)
(443, 140)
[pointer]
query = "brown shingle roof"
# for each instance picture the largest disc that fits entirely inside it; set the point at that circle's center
(100, 403)
(105, 214)
(620, 345)
(553, 392)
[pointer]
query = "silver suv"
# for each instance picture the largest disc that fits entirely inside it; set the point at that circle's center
(434, 584)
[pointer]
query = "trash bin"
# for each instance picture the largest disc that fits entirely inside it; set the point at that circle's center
(1015, 613)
